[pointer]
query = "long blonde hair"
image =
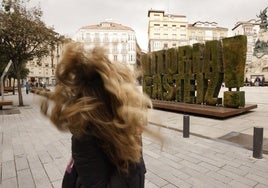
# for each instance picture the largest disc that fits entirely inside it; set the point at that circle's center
(96, 97)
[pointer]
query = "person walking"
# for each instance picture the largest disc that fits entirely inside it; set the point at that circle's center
(27, 87)
(101, 105)
(257, 81)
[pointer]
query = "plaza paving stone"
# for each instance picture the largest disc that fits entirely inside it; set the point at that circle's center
(34, 154)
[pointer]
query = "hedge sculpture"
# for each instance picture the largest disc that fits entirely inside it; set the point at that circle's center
(195, 74)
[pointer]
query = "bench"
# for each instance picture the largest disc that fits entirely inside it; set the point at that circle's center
(5, 103)
(8, 89)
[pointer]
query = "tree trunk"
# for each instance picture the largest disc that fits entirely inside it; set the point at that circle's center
(13, 86)
(19, 90)
(9, 82)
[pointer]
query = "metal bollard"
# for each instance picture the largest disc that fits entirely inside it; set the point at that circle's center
(258, 142)
(186, 127)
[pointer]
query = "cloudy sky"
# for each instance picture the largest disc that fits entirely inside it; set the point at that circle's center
(67, 16)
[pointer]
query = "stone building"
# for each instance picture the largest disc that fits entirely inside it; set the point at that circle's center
(199, 32)
(169, 31)
(250, 29)
(119, 41)
(166, 30)
(42, 71)
(256, 63)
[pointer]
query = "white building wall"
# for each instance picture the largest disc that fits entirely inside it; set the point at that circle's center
(170, 31)
(119, 43)
(250, 29)
(43, 72)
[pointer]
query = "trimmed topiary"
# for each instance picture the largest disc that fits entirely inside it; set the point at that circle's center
(234, 58)
(234, 99)
(213, 67)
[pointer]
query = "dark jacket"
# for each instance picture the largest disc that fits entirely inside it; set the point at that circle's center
(95, 170)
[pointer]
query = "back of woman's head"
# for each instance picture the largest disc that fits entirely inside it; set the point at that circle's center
(96, 97)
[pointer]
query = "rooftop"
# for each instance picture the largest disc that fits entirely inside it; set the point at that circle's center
(107, 26)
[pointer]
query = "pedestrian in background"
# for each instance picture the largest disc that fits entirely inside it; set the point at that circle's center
(27, 87)
(257, 81)
(101, 105)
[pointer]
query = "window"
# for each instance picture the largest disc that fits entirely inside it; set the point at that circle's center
(165, 27)
(106, 37)
(86, 37)
(106, 24)
(124, 37)
(124, 58)
(96, 37)
(192, 37)
(115, 51)
(183, 36)
(165, 45)
(200, 36)
(249, 57)
(157, 45)
(156, 27)
(124, 48)
(157, 35)
(131, 37)
(115, 37)
(130, 58)
(165, 36)
(182, 27)
(131, 46)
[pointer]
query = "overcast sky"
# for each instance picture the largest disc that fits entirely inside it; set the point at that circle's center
(67, 16)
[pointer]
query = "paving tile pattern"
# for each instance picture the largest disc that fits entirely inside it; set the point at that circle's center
(34, 154)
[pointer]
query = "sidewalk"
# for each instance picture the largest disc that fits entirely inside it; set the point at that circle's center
(238, 128)
(34, 154)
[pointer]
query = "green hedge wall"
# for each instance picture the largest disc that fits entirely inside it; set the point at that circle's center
(213, 69)
(234, 57)
(234, 99)
(195, 74)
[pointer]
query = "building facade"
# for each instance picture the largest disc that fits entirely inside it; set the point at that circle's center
(250, 29)
(199, 32)
(42, 71)
(166, 30)
(119, 41)
(255, 67)
(169, 31)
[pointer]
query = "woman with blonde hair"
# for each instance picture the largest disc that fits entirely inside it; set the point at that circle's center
(100, 104)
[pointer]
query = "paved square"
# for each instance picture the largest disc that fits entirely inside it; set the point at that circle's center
(34, 154)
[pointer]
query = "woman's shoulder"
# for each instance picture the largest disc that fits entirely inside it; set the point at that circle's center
(85, 143)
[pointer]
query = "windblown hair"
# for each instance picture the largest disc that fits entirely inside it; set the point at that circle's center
(96, 97)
